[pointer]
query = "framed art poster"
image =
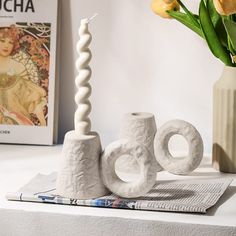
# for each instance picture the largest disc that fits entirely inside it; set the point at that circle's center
(28, 46)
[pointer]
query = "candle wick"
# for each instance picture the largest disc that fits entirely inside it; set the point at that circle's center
(92, 17)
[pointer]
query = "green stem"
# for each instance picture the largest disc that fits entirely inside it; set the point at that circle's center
(190, 14)
(234, 17)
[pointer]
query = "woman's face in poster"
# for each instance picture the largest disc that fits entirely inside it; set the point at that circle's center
(6, 46)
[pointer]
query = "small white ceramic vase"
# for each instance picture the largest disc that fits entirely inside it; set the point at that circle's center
(185, 164)
(147, 175)
(139, 127)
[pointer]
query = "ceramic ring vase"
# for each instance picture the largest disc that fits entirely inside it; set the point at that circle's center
(224, 121)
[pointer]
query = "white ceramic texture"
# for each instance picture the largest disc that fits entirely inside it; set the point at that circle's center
(224, 121)
(141, 154)
(183, 165)
(139, 127)
(79, 175)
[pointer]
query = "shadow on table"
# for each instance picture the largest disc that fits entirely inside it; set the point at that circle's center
(167, 194)
(208, 174)
(231, 190)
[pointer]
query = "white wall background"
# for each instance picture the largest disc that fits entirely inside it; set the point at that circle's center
(140, 63)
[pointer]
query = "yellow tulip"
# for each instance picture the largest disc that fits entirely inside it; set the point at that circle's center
(168, 1)
(225, 7)
(160, 7)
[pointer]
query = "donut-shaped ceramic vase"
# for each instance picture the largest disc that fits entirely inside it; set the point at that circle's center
(146, 162)
(184, 165)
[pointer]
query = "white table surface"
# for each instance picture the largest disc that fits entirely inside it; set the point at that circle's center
(18, 164)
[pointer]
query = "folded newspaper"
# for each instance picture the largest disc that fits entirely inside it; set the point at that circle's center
(195, 196)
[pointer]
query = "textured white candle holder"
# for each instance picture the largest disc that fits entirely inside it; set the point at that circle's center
(184, 165)
(79, 175)
(139, 127)
(146, 165)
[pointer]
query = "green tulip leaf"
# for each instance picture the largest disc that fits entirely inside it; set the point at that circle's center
(221, 32)
(184, 19)
(217, 22)
(189, 13)
(230, 27)
(215, 16)
(211, 36)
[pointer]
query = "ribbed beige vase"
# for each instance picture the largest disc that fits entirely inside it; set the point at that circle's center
(224, 121)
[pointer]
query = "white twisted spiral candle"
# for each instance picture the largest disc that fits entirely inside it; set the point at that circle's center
(81, 119)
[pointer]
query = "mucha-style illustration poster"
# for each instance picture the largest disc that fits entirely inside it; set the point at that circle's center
(28, 71)
(24, 73)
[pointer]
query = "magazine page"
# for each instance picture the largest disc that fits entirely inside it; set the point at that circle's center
(28, 31)
(194, 196)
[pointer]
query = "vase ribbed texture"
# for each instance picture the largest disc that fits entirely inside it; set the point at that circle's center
(224, 122)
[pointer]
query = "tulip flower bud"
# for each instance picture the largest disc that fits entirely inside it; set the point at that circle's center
(160, 7)
(225, 7)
